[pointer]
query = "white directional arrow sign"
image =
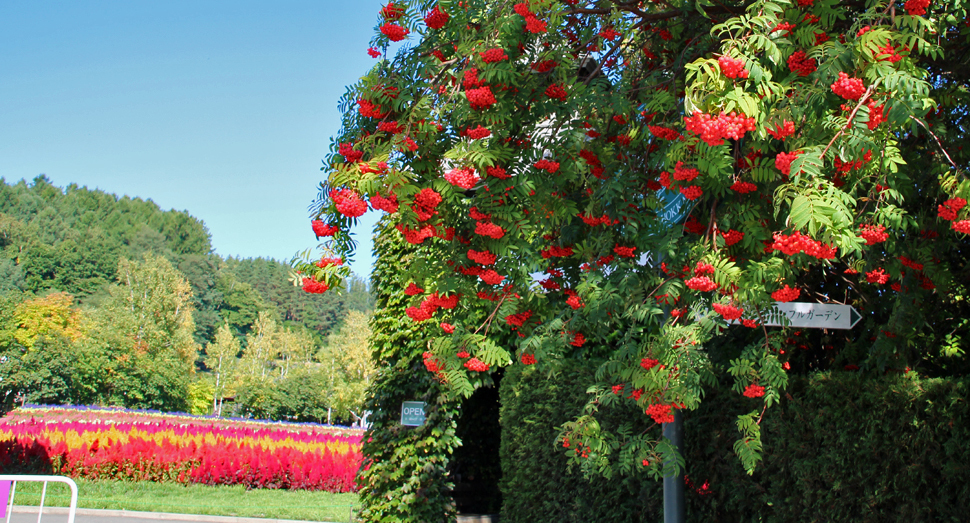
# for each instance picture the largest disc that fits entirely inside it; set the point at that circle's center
(811, 316)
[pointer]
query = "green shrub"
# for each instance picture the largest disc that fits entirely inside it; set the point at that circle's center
(842, 447)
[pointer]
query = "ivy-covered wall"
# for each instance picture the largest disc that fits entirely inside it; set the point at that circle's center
(842, 447)
(404, 475)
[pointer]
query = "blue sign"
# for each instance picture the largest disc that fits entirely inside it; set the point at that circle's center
(674, 209)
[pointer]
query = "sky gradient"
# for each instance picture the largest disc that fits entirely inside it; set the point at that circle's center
(222, 109)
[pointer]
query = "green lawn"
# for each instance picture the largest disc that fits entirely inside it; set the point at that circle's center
(196, 499)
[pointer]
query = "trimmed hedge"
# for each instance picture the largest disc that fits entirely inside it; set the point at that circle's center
(841, 447)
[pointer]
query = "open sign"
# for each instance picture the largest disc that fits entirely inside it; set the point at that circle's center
(412, 413)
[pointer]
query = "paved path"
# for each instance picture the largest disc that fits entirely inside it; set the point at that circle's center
(87, 515)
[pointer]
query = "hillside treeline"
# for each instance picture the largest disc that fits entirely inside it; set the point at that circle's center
(111, 300)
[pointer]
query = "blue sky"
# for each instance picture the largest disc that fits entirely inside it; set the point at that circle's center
(223, 109)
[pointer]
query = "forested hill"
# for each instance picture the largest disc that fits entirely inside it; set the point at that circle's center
(88, 274)
(71, 239)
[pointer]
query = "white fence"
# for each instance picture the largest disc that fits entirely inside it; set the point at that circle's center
(13, 479)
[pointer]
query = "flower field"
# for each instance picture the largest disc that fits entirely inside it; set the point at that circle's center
(98, 443)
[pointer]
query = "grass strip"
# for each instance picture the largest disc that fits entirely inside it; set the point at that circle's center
(223, 500)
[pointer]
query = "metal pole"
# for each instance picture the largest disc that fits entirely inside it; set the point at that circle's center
(674, 508)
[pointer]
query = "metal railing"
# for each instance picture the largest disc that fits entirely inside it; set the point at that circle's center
(14, 478)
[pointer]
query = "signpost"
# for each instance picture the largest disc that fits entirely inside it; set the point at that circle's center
(810, 316)
(412, 413)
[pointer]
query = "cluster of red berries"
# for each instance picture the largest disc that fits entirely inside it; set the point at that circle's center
(714, 129)
(314, 287)
(873, 234)
(664, 133)
(782, 130)
(962, 226)
(692, 192)
(578, 340)
(660, 413)
(436, 19)
(573, 301)
(685, 174)
(528, 359)
(797, 242)
(350, 155)
(916, 7)
(732, 237)
(480, 98)
(321, 229)
(783, 161)
(731, 67)
(626, 252)
(388, 204)
(547, 165)
(876, 115)
(800, 63)
(369, 109)
(609, 34)
(478, 133)
(494, 55)
(593, 221)
(373, 52)
(532, 23)
(754, 391)
(431, 363)
(389, 127)
(447, 327)
(394, 32)
(491, 277)
(877, 276)
(348, 202)
(481, 257)
(729, 312)
(464, 177)
(498, 172)
(518, 320)
(848, 87)
(327, 262)
(785, 294)
(701, 283)
(489, 229)
(743, 187)
(413, 290)
(948, 210)
(649, 363)
(556, 252)
(556, 92)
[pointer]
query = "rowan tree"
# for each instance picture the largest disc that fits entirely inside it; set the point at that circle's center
(667, 167)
